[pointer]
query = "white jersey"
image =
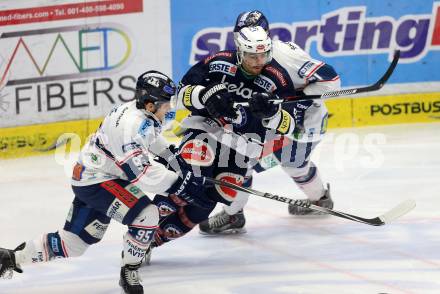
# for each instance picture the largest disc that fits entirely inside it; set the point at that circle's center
(303, 69)
(311, 76)
(121, 149)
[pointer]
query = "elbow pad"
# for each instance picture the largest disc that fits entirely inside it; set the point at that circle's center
(189, 97)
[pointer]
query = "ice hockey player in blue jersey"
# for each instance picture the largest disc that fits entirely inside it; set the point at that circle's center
(308, 77)
(222, 140)
(110, 179)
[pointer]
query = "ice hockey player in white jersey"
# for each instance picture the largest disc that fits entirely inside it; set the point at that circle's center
(110, 179)
(309, 77)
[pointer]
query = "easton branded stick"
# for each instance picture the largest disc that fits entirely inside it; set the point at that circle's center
(385, 218)
(342, 93)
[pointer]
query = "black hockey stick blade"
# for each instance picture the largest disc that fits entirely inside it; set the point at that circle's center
(379, 84)
(398, 211)
(376, 86)
(342, 93)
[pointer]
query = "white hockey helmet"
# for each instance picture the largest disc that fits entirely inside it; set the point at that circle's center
(253, 40)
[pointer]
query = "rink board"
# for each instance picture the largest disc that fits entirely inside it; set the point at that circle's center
(404, 108)
(348, 112)
(41, 139)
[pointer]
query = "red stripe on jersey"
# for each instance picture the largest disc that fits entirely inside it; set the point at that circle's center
(45, 249)
(315, 69)
(64, 249)
(132, 239)
(144, 227)
(140, 175)
(332, 80)
(133, 154)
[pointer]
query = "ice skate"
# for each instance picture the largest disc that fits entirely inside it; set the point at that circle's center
(223, 223)
(130, 280)
(8, 263)
(325, 201)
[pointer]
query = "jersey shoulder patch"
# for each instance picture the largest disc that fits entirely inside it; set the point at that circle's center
(146, 125)
(143, 128)
(309, 68)
(277, 73)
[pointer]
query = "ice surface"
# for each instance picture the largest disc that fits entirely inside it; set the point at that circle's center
(370, 170)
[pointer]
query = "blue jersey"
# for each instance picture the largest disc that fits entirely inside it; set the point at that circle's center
(290, 74)
(222, 68)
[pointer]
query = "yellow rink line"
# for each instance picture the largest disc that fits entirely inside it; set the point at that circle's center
(348, 112)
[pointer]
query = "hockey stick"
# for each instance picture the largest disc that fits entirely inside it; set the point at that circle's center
(342, 93)
(385, 218)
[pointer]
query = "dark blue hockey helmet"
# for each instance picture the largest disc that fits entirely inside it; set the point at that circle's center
(155, 87)
(251, 19)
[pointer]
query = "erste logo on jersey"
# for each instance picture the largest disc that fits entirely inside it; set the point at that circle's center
(223, 67)
(228, 193)
(265, 83)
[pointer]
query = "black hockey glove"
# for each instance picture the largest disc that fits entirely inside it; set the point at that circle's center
(218, 101)
(261, 106)
(191, 189)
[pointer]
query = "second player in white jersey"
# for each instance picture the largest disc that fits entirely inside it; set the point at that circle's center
(114, 173)
(122, 148)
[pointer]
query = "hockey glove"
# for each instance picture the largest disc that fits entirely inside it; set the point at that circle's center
(261, 106)
(218, 101)
(191, 189)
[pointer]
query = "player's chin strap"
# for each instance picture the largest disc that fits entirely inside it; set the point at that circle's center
(342, 93)
(396, 212)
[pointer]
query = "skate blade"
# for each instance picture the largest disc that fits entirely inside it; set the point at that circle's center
(225, 232)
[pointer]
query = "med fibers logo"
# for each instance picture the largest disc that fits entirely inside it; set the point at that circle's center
(63, 53)
(343, 32)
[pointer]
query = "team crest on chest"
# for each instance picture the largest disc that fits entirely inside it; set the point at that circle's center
(242, 118)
